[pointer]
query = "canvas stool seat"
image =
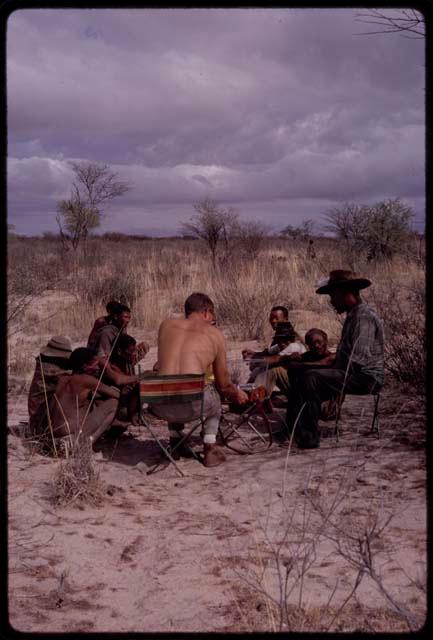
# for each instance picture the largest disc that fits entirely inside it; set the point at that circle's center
(184, 394)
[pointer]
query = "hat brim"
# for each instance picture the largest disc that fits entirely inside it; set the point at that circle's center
(55, 353)
(356, 283)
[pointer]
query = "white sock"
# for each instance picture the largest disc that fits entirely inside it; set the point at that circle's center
(209, 438)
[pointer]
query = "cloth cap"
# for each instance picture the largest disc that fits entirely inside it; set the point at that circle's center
(341, 279)
(57, 347)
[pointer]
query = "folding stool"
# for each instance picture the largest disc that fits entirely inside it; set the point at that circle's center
(170, 389)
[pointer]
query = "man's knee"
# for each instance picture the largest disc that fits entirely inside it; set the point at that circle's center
(311, 380)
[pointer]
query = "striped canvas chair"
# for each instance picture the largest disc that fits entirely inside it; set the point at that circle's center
(170, 389)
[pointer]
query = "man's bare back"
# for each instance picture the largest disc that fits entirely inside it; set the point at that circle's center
(194, 345)
(72, 397)
(186, 345)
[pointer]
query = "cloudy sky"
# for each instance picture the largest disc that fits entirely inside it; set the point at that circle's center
(279, 113)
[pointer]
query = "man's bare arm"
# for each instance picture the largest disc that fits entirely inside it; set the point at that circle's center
(222, 379)
(105, 390)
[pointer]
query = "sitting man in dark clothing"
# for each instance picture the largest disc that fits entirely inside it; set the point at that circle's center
(358, 366)
(112, 308)
(51, 364)
(125, 355)
(107, 334)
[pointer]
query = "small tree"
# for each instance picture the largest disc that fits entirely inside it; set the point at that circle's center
(94, 185)
(381, 230)
(302, 232)
(212, 224)
(251, 237)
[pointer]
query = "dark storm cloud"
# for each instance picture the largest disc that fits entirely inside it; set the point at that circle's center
(248, 106)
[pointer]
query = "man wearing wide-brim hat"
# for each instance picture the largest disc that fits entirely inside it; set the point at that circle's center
(358, 366)
(51, 363)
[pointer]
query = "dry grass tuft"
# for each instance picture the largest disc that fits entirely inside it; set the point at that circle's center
(76, 479)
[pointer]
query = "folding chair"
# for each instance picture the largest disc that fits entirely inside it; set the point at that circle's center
(375, 421)
(170, 390)
(245, 429)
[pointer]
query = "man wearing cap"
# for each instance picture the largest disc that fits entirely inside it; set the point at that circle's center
(358, 366)
(269, 371)
(51, 363)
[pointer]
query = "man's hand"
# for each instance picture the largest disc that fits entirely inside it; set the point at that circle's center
(247, 353)
(240, 397)
(294, 357)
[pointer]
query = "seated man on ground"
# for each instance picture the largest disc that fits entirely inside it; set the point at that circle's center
(51, 363)
(112, 308)
(318, 355)
(191, 345)
(277, 314)
(81, 403)
(108, 335)
(125, 355)
(358, 366)
(269, 372)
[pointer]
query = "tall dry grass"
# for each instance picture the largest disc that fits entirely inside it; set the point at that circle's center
(50, 292)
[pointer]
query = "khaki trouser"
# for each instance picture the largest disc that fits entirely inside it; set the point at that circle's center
(178, 414)
(271, 378)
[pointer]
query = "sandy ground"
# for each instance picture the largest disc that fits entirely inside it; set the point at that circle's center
(198, 553)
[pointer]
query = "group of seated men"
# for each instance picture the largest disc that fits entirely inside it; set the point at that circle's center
(87, 400)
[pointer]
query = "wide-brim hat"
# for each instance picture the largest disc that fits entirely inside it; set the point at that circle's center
(284, 330)
(57, 347)
(342, 279)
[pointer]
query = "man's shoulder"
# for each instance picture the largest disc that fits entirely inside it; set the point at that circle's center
(108, 330)
(366, 311)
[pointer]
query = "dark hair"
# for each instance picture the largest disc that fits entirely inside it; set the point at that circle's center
(122, 308)
(79, 357)
(112, 307)
(311, 332)
(198, 302)
(284, 310)
(124, 341)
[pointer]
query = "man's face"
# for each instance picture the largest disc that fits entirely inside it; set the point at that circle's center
(122, 319)
(343, 299)
(317, 344)
(275, 317)
(282, 342)
(91, 367)
(338, 300)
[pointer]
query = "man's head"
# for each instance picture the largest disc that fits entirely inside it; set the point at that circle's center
(284, 334)
(84, 360)
(122, 316)
(343, 287)
(317, 342)
(112, 307)
(278, 314)
(200, 304)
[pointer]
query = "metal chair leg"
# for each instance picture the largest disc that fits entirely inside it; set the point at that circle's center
(339, 402)
(164, 449)
(375, 421)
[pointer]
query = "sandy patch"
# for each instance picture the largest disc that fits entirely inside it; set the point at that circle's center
(199, 553)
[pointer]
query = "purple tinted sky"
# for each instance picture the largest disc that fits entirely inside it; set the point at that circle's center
(280, 113)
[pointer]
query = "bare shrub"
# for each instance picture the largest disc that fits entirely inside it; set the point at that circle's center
(324, 518)
(251, 238)
(405, 352)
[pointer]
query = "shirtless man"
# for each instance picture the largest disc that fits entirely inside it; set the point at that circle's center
(71, 408)
(192, 345)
